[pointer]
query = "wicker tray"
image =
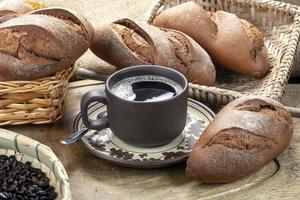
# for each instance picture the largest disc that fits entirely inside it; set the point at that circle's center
(41, 156)
(33, 102)
(280, 24)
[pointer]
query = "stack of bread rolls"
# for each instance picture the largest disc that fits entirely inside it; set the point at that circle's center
(41, 43)
(126, 43)
(233, 43)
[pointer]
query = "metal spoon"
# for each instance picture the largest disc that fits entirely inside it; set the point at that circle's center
(295, 112)
(77, 135)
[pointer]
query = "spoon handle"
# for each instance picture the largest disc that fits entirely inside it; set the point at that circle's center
(74, 137)
(294, 111)
(88, 74)
(77, 135)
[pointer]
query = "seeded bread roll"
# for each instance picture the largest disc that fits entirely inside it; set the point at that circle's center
(41, 43)
(232, 42)
(13, 8)
(125, 43)
(244, 136)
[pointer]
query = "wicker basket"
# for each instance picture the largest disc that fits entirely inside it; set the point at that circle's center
(280, 24)
(33, 102)
(41, 156)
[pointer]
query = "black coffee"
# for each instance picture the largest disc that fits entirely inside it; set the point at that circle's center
(146, 88)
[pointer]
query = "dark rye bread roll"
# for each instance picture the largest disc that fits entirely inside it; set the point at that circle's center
(125, 43)
(244, 136)
(232, 42)
(41, 43)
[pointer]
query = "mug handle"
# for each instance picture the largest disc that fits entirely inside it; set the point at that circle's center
(86, 100)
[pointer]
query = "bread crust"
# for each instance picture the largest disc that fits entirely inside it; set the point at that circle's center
(244, 136)
(40, 44)
(70, 15)
(193, 60)
(232, 42)
(126, 43)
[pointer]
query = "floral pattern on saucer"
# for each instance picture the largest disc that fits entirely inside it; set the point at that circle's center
(106, 145)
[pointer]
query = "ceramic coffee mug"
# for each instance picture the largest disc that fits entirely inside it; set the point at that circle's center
(140, 123)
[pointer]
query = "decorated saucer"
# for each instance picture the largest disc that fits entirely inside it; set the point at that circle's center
(106, 145)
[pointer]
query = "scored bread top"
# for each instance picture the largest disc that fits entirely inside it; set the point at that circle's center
(38, 40)
(48, 28)
(193, 60)
(126, 43)
(136, 39)
(257, 115)
(245, 135)
(70, 17)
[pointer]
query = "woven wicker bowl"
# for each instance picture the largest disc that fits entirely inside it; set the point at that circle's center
(280, 24)
(41, 156)
(33, 102)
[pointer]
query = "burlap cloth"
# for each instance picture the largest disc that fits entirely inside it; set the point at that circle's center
(104, 11)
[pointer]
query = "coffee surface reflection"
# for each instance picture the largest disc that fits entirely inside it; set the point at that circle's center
(147, 88)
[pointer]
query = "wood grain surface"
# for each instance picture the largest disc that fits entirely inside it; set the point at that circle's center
(92, 178)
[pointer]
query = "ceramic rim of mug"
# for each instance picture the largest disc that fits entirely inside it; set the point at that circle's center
(147, 66)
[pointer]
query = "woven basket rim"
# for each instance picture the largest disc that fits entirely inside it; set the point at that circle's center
(44, 83)
(51, 156)
(37, 101)
(294, 10)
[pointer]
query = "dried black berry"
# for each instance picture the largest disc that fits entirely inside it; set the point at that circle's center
(20, 181)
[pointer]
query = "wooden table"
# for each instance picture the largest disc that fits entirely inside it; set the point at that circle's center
(92, 178)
